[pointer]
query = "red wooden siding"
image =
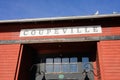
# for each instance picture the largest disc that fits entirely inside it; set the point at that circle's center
(8, 61)
(109, 58)
(9, 35)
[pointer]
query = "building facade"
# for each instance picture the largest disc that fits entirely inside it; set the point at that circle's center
(66, 48)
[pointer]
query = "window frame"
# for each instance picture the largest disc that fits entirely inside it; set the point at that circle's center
(62, 63)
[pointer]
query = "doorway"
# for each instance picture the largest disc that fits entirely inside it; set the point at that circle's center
(71, 60)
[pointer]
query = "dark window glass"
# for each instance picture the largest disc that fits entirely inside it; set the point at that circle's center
(57, 67)
(85, 63)
(62, 64)
(57, 60)
(49, 60)
(85, 59)
(65, 67)
(73, 60)
(49, 67)
(65, 60)
(73, 68)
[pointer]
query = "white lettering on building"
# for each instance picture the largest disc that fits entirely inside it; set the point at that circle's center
(60, 31)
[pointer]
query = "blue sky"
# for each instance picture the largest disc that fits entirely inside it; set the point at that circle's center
(20, 9)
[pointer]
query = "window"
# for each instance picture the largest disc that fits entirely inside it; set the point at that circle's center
(57, 63)
(61, 65)
(73, 64)
(85, 63)
(49, 65)
(65, 65)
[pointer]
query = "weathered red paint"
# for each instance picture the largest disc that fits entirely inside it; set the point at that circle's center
(9, 55)
(109, 59)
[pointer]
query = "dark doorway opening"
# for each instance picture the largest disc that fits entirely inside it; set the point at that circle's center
(34, 58)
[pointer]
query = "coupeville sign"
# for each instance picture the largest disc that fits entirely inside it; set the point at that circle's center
(60, 31)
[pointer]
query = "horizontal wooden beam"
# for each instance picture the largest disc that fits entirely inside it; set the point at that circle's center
(55, 40)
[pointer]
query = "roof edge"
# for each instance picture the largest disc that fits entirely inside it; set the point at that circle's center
(59, 18)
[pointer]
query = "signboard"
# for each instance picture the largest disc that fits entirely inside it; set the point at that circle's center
(60, 31)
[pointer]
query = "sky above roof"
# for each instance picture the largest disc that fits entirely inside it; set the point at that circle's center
(21, 9)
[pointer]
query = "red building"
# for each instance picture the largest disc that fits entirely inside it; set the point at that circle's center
(67, 48)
